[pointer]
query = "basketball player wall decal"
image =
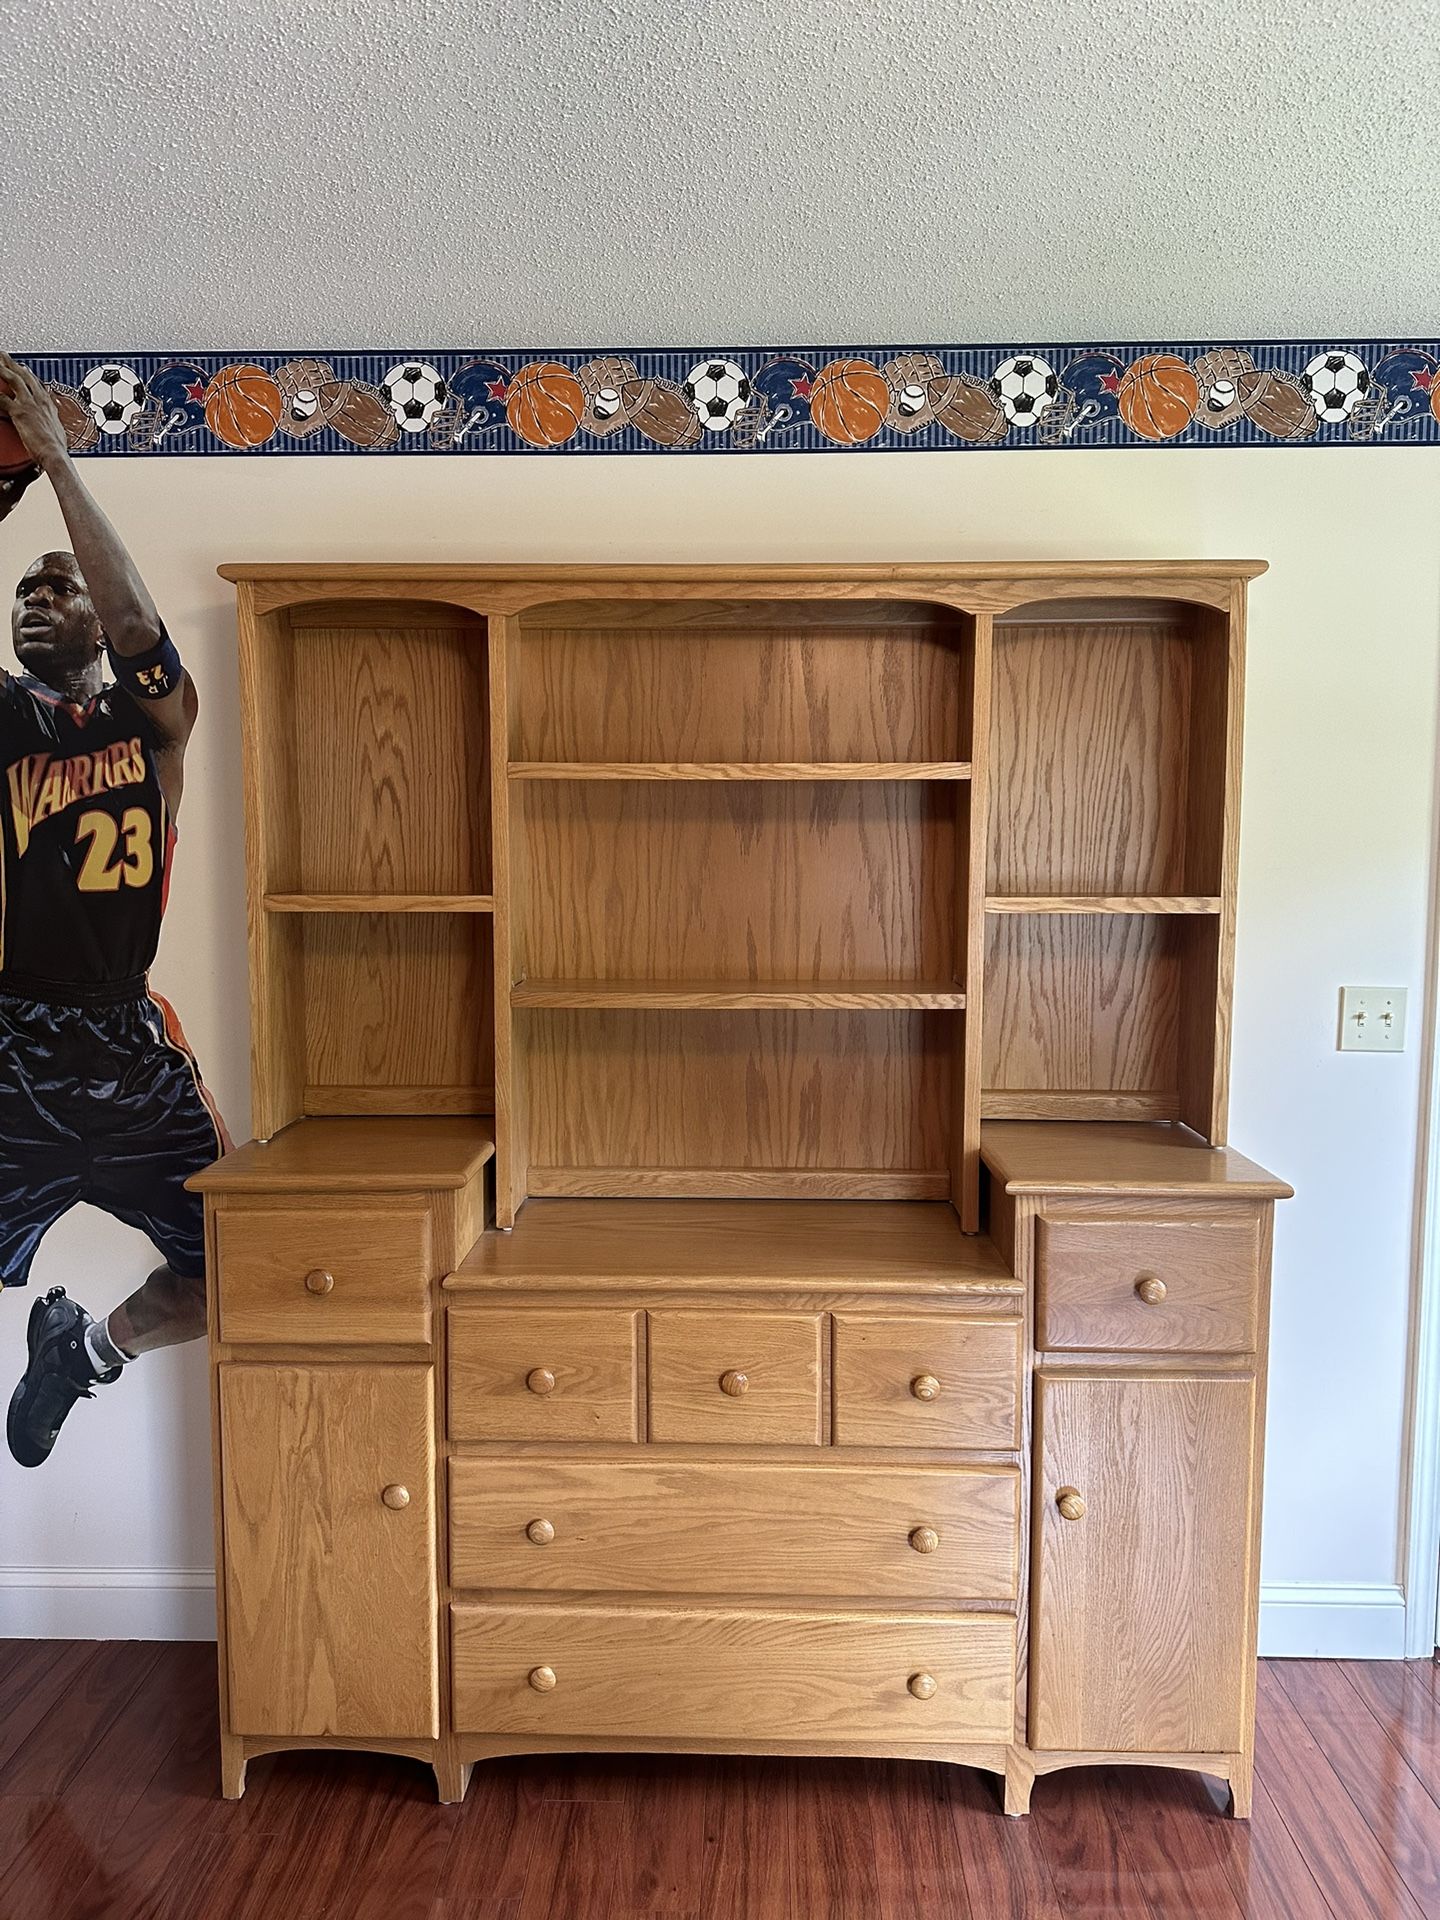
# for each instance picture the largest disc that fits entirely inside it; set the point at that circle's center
(100, 1098)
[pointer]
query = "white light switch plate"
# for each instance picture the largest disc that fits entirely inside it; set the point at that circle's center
(1372, 1019)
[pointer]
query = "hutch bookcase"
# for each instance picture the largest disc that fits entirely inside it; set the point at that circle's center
(740, 1250)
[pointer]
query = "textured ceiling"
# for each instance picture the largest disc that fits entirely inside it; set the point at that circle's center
(228, 174)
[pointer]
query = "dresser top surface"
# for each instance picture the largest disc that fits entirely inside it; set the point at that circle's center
(841, 1243)
(363, 1155)
(1041, 1156)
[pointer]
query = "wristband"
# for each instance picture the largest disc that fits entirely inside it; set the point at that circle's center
(148, 676)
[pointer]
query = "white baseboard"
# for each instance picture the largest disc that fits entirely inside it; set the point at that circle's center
(107, 1603)
(1328, 1621)
(1323, 1621)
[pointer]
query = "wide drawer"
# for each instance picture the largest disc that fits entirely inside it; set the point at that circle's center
(543, 1373)
(358, 1276)
(926, 1380)
(927, 1534)
(711, 1673)
(735, 1377)
(1187, 1283)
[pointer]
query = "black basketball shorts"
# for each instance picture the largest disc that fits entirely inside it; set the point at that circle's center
(100, 1101)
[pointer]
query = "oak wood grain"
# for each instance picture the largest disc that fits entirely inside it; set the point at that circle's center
(590, 1353)
(777, 1355)
(973, 1362)
(373, 1272)
(1097, 1275)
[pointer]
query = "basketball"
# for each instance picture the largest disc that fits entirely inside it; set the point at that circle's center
(1158, 396)
(243, 406)
(363, 418)
(661, 412)
(15, 456)
(967, 408)
(545, 403)
(1435, 399)
(1277, 404)
(849, 401)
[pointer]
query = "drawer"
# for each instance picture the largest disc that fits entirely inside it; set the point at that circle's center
(933, 1535)
(1187, 1283)
(926, 1380)
(543, 1373)
(358, 1276)
(710, 1673)
(739, 1378)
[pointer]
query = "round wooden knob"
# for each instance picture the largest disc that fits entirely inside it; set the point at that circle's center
(923, 1685)
(925, 1387)
(924, 1539)
(734, 1383)
(540, 1380)
(1071, 1503)
(319, 1281)
(543, 1679)
(540, 1532)
(395, 1497)
(1151, 1289)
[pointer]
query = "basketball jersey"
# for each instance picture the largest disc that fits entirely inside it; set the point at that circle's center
(85, 837)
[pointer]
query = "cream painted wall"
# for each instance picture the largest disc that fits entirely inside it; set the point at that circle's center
(113, 1537)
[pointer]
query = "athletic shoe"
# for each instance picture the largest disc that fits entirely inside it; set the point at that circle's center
(60, 1373)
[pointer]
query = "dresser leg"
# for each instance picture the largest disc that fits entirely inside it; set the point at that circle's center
(1242, 1773)
(1019, 1779)
(452, 1778)
(232, 1766)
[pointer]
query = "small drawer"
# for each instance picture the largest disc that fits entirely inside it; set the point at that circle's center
(730, 1673)
(743, 1378)
(1130, 1283)
(929, 1535)
(926, 1380)
(543, 1373)
(351, 1276)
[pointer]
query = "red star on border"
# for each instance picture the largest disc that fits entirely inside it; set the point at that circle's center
(495, 389)
(800, 389)
(195, 390)
(1424, 380)
(1110, 382)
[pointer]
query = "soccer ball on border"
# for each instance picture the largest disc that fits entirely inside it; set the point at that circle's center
(1336, 383)
(1026, 387)
(716, 391)
(415, 393)
(114, 395)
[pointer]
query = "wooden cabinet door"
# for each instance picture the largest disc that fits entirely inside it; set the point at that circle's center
(1142, 1600)
(327, 1480)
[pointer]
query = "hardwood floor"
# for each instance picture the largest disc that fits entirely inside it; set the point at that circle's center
(109, 1810)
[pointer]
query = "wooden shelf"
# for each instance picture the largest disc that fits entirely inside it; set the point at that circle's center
(731, 995)
(379, 903)
(1153, 903)
(739, 770)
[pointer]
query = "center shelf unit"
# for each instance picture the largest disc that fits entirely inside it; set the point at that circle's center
(742, 881)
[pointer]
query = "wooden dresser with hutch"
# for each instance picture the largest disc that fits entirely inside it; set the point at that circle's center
(739, 1252)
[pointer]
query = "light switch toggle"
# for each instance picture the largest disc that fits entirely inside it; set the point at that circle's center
(1372, 1020)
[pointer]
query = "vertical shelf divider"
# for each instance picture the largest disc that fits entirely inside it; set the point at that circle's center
(970, 930)
(502, 634)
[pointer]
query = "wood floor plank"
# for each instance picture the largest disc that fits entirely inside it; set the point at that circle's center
(1090, 1864)
(63, 1741)
(1394, 1801)
(1403, 1696)
(750, 1841)
(832, 1869)
(573, 1862)
(1339, 1848)
(663, 1871)
(1178, 1845)
(489, 1855)
(33, 1686)
(918, 1866)
(1007, 1875)
(1271, 1878)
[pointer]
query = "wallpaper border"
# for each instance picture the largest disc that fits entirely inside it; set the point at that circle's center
(751, 400)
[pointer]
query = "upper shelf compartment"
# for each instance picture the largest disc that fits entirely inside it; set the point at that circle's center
(742, 690)
(1107, 743)
(379, 783)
